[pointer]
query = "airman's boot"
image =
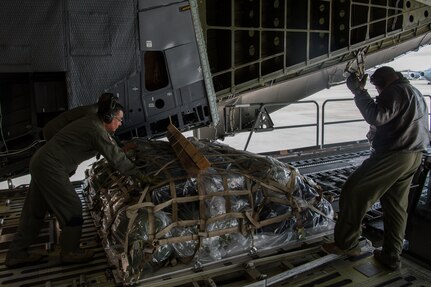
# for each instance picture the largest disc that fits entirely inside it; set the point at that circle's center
(78, 256)
(70, 251)
(391, 263)
(21, 259)
(332, 248)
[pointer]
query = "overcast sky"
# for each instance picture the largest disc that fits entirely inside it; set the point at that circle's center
(413, 61)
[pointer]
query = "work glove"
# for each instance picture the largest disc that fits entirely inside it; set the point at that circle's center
(144, 180)
(129, 147)
(356, 85)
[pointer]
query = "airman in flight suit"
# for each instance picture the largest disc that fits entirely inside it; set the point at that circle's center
(400, 134)
(50, 186)
(65, 118)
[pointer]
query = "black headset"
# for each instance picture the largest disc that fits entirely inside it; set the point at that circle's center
(108, 114)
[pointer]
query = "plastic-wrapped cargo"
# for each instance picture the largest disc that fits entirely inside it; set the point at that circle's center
(242, 202)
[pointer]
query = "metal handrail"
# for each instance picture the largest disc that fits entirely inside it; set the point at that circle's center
(262, 107)
(324, 123)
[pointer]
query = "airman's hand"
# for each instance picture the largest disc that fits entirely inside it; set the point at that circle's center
(144, 180)
(354, 84)
(129, 146)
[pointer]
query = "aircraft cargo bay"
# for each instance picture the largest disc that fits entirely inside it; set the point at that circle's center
(212, 142)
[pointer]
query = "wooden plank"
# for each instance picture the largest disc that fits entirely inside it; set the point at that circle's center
(189, 156)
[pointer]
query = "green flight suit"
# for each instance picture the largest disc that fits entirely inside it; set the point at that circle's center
(65, 118)
(50, 185)
(385, 177)
(400, 133)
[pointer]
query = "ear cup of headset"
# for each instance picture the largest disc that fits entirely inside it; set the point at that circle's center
(107, 118)
(108, 115)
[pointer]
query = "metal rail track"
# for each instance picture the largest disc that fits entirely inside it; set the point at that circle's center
(49, 272)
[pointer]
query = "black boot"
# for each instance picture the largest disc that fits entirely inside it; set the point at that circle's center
(70, 251)
(391, 263)
(23, 259)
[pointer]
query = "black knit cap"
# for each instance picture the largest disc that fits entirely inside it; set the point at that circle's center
(382, 75)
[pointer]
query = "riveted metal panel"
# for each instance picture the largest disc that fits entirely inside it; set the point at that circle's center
(184, 66)
(166, 27)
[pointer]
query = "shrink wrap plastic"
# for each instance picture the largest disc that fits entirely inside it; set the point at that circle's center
(242, 202)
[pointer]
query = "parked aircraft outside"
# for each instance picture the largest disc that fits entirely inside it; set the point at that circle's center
(418, 75)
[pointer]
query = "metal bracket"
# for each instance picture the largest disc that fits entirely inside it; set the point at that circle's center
(357, 65)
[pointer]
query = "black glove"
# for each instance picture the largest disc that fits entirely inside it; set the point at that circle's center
(144, 180)
(354, 84)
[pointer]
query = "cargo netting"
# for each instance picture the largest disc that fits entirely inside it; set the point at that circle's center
(242, 202)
